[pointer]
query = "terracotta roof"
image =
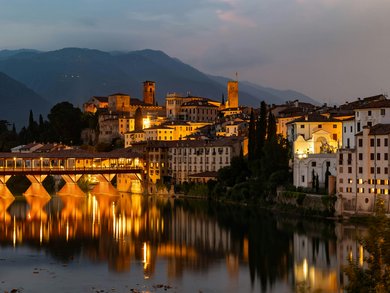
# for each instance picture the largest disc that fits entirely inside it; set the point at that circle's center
(198, 103)
(314, 117)
(375, 104)
(119, 94)
(101, 99)
(157, 127)
(377, 129)
(220, 142)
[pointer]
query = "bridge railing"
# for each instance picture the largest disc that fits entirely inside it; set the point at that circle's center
(58, 170)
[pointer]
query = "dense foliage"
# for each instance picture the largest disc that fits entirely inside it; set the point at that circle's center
(256, 176)
(64, 125)
(375, 276)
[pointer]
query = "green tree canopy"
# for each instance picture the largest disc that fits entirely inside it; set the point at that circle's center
(65, 123)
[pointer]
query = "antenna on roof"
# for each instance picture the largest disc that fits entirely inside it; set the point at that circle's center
(236, 76)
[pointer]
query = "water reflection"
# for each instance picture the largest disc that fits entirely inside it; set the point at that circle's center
(250, 248)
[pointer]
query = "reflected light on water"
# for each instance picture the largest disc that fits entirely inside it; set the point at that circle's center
(165, 238)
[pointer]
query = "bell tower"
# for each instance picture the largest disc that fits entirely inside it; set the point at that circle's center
(232, 94)
(149, 92)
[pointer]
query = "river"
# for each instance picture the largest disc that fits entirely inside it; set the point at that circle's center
(130, 243)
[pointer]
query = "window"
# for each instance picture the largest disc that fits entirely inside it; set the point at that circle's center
(378, 142)
(341, 180)
(319, 125)
(351, 128)
(302, 125)
(372, 156)
(360, 142)
(349, 170)
(303, 178)
(372, 142)
(341, 170)
(313, 164)
(369, 112)
(345, 129)
(334, 136)
(360, 156)
(335, 126)
(386, 142)
(378, 170)
(358, 125)
(360, 170)
(386, 170)
(327, 164)
(372, 170)
(369, 124)
(378, 156)
(383, 112)
(386, 156)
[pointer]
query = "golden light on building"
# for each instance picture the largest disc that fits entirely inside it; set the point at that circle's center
(146, 122)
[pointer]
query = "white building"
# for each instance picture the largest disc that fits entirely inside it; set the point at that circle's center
(305, 164)
(191, 157)
(363, 172)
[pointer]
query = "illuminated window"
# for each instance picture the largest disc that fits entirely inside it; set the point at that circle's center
(360, 181)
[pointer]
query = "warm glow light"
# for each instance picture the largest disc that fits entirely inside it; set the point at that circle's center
(361, 255)
(14, 233)
(305, 268)
(67, 231)
(145, 122)
(40, 233)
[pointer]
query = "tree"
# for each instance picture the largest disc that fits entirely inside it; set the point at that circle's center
(261, 130)
(327, 174)
(375, 277)
(251, 137)
(271, 127)
(313, 179)
(65, 123)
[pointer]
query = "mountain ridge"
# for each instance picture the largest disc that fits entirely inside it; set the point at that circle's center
(17, 100)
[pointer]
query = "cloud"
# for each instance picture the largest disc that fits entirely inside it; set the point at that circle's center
(231, 16)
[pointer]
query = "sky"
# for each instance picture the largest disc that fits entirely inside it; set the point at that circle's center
(330, 50)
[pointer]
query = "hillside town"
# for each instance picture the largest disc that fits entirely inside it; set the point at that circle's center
(342, 150)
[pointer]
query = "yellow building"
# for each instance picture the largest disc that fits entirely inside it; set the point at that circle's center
(126, 125)
(315, 134)
(158, 133)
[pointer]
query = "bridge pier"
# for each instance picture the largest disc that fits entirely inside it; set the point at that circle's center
(71, 187)
(36, 188)
(4, 191)
(104, 187)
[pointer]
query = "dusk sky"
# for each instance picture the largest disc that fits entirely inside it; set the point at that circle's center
(331, 50)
